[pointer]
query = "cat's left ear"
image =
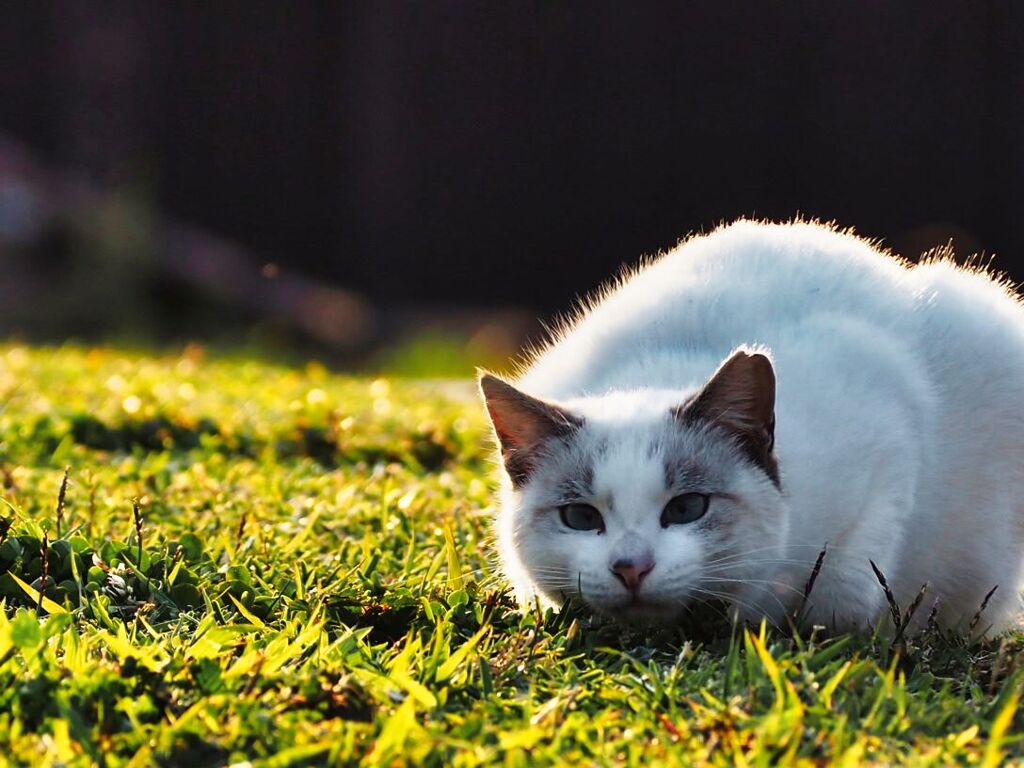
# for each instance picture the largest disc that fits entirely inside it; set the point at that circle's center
(522, 425)
(740, 398)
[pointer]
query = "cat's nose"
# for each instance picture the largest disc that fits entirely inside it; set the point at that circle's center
(632, 571)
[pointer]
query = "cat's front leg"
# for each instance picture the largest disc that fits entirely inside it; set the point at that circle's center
(756, 603)
(847, 595)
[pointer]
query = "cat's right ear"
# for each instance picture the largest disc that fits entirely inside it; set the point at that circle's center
(740, 399)
(522, 425)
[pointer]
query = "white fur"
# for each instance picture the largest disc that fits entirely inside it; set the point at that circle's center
(900, 434)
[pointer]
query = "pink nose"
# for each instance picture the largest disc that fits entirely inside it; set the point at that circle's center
(632, 572)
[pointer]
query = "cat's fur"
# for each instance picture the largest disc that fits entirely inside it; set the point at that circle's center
(897, 435)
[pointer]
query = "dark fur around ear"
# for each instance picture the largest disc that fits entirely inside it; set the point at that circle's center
(740, 399)
(522, 424)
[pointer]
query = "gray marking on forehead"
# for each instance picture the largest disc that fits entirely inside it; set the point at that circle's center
(579, 486)
(586, 476)
(567, 473)
(681, 472)
(700, 456)
(654, 447)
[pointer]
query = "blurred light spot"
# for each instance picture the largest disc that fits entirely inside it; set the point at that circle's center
(316, 397)
(334, 316)
(380, 387)
(196, 353)
(316, 371)
(17, 357)
(131, 404)
(270, 270)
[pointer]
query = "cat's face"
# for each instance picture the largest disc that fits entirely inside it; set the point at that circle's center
(636, 503)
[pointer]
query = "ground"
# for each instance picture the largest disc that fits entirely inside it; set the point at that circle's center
(255, 563)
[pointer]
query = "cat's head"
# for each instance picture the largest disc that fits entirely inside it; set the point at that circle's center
(640, 502)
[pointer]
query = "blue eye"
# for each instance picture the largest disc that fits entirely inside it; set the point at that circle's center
(684, 509)
(581, 517)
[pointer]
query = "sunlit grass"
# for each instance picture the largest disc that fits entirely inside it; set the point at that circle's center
(309, 582)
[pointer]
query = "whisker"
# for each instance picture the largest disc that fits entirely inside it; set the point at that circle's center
(778, 601)
(714, 606)
(736, 601)
(768, 582)
(811, 548)
(832, 567)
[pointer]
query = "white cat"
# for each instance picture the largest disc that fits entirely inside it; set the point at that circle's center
(864, 403)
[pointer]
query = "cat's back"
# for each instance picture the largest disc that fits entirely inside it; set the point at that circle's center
(745, 283)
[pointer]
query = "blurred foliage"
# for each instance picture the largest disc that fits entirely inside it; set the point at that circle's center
(288, 567)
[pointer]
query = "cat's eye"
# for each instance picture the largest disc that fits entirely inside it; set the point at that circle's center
(581, 517)
(684, 509)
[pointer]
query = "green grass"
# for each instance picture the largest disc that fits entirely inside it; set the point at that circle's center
(309, 581)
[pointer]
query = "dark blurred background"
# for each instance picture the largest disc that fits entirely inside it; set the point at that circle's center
(344, 179)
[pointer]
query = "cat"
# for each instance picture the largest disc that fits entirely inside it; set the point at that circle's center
(711, 423)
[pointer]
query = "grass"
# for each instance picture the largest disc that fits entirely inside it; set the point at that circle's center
(289, 567)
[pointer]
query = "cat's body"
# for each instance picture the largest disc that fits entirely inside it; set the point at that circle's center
(897, 436)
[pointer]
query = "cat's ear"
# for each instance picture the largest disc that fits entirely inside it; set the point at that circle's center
(740, 398)
(522, 424)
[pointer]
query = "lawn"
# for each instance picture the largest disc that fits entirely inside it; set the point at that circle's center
(291, 567)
